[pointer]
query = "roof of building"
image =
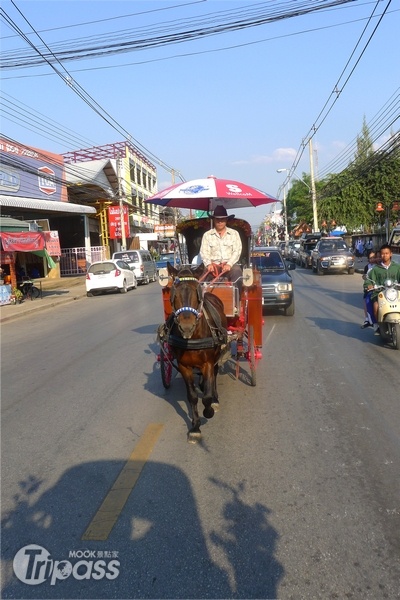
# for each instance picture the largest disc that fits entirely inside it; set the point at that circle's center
(10, 224)
(45, 205)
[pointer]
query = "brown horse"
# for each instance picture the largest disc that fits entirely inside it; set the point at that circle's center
(196, 334)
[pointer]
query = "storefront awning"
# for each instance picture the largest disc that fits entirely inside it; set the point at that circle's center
(46, 205)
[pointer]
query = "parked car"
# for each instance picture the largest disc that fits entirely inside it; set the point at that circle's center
(281, 246)
(286, 248)
(307, 245)
(164, 259)
(332, 254)
(109, 275)
(289, 247)
(294, 251)
(276, 281)
(141, 262)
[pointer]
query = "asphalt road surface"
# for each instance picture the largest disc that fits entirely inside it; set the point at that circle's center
(293, 492)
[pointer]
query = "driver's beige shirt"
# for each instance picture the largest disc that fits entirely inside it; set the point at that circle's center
(216, 249)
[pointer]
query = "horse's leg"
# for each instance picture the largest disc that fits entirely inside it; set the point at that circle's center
(208, 372)
(215, 401)
(187, 374)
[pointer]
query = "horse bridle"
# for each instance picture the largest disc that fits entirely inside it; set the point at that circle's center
(197, 312)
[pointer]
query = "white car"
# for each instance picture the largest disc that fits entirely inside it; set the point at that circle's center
(109, 275)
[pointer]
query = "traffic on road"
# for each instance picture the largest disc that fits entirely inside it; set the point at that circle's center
(296, 480)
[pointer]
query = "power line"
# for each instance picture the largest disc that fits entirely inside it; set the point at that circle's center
(85, 96)
(335, 94)
(241, 19)
(200, 52)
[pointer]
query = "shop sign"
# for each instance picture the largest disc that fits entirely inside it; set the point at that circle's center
(165, 230)
(46, 180)
(114, 222)
(52, 243)
(7, 258)
(31, 173)
(5, 294)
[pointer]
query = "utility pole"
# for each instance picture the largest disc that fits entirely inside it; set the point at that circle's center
(313, 192)
(121, 204)
(285, 218)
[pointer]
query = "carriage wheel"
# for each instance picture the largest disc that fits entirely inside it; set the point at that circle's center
(166, 365)
(252, 356)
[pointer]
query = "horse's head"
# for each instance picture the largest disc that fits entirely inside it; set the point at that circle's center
(186, 298)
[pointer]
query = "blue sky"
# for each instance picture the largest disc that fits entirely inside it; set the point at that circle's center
(236, 105)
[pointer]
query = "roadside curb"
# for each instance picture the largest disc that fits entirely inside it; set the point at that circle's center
(27, 311)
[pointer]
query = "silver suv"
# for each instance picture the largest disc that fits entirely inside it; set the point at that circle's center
(141, 263)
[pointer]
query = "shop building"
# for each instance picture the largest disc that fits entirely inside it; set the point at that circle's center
(115, 179)
(80, 196)
(33, 191)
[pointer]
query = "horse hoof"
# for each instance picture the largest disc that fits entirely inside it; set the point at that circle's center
(208, 412)
(194, 437)
(215, 406)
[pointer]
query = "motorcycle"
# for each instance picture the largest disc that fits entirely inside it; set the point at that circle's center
(389, 312)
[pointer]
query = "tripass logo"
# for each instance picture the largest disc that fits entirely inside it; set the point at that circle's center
(33, 565)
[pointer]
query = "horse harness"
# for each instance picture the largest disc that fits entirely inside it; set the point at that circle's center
(205, 308)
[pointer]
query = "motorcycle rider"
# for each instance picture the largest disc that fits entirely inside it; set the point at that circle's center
(373, 259)
(386, 269)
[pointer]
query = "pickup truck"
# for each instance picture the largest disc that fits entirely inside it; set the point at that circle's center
(307, 245)
(164, 258)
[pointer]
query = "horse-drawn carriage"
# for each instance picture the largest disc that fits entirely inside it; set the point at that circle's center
(207, 323)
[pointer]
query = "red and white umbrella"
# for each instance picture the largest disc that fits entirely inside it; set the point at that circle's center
(205, 194)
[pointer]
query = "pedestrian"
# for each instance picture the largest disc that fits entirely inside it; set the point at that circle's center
(369, 245)
(359, 249)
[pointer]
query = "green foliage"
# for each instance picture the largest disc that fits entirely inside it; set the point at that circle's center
(350, 197)
(17, 293)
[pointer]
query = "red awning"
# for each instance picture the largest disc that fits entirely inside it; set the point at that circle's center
(24, 241)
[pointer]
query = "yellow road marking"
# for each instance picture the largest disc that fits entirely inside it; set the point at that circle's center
(112, 505)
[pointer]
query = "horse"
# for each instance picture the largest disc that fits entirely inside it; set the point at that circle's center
(197, 335)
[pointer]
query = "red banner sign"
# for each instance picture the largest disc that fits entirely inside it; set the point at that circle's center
(24, 241)
(114, 221)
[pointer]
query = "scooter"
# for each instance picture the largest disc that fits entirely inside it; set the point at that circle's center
(389, 312)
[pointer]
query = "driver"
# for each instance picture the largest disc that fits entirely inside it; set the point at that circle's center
(386, 269)
(221, 248)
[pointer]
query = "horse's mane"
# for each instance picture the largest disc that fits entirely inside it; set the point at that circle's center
(186, 271)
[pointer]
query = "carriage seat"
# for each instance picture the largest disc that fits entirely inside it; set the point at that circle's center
(228, 293)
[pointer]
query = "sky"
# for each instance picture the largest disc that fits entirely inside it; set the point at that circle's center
(237, 104)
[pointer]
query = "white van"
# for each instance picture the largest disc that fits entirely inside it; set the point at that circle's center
(141, 262)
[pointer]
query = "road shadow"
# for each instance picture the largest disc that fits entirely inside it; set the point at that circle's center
(348, 298)
(347, 329)
(57, 293)
(158, 541)
(250, 542)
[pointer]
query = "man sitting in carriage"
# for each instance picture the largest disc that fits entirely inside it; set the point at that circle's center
(221, 248)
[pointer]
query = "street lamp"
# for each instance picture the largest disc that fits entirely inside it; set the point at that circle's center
(387, 207)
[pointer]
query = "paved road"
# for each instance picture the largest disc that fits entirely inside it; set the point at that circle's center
(293, 492)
